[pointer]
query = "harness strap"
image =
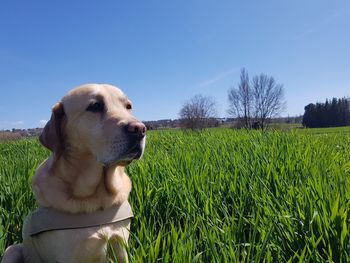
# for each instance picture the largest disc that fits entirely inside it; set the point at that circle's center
(47, 219)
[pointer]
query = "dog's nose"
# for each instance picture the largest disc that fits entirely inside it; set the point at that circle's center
(136, 128)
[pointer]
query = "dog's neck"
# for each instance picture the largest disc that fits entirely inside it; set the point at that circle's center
(80, 184)
(82, 174)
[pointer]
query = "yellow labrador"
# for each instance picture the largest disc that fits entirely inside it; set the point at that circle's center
(93, 136)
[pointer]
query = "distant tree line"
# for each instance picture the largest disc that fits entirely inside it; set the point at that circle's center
(198, 113)
(332, 113)
(253, 103)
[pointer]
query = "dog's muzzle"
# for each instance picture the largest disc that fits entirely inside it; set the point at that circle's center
(131, 148)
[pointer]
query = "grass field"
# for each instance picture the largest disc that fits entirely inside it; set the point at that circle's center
(338, 130)
(218, 196)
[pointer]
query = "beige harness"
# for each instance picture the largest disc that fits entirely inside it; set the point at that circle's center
(47, 219)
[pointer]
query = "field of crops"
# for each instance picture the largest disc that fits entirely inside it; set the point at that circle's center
(218, 196)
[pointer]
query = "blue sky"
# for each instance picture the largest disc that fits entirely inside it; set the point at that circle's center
(163, 52)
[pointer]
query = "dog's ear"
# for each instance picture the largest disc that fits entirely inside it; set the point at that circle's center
(52, 135)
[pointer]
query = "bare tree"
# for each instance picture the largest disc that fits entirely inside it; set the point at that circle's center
(198, 113)
(268, 98)
(240, 99)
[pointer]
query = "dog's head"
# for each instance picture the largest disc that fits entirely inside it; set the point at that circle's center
(96, 120)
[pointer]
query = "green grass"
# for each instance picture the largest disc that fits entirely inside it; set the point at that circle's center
(284, 126)
(331, 130)
(218, 196)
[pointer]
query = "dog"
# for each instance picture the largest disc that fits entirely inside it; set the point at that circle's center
(82, 188)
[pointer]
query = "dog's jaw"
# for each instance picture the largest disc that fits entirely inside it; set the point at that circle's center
(123, 153)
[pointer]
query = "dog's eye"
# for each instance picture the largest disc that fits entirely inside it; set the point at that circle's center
(96, 107)
(128, 106)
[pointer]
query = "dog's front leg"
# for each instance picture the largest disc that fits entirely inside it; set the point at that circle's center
(117, 249)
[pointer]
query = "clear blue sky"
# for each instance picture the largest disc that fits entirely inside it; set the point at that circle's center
(163, 52)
